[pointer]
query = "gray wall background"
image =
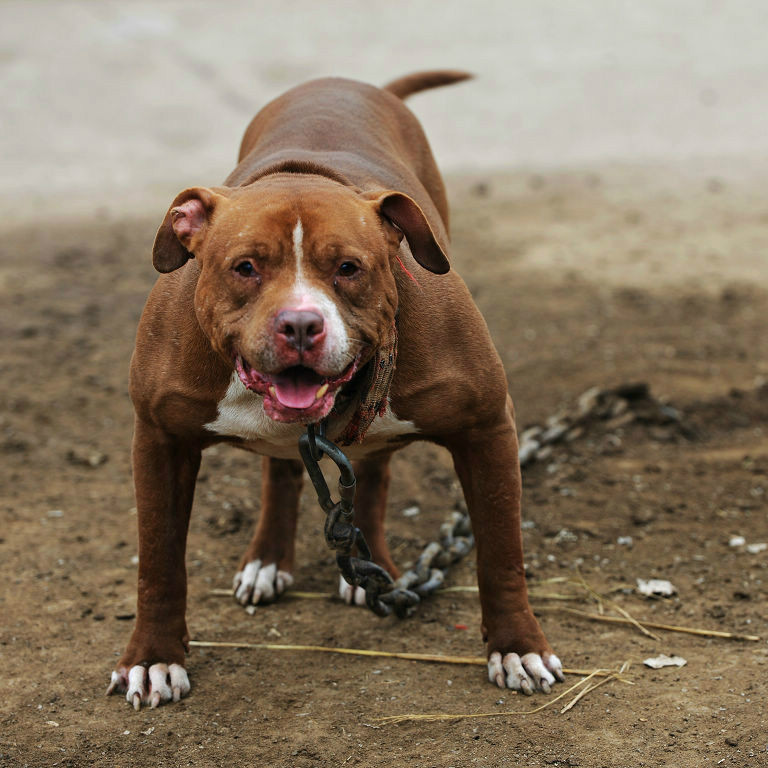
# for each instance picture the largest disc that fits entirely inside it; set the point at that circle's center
(120, 104)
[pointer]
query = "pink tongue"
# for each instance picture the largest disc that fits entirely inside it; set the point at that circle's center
(296, 391)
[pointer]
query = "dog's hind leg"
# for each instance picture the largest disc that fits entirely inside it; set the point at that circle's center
(265, 569)
(372, 475)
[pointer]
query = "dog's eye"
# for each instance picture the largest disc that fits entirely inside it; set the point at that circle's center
(246, 269)
(347, 269)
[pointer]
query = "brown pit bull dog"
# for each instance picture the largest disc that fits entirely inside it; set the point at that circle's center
(327, 245)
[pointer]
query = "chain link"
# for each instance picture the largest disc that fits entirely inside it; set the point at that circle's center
(428, 572)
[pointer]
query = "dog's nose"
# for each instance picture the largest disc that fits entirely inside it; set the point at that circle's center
(300, 328)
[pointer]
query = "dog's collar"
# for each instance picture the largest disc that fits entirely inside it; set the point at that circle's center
(372, 392)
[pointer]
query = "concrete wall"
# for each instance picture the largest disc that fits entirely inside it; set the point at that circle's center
(123, 103)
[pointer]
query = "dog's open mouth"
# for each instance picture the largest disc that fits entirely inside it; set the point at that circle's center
(294, 394)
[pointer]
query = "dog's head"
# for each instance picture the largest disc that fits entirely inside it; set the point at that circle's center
(296, 285)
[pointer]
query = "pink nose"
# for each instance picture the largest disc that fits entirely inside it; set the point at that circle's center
(301, 329)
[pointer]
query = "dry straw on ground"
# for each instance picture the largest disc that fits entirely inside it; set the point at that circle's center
(607, 675)
(582, 591)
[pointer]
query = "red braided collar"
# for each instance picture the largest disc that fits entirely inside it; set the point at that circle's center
(374, 391)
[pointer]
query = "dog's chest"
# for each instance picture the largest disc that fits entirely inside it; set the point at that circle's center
(241, 414)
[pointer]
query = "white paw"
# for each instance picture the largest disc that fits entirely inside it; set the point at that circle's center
(153, 686)
(527, 674)
(260, 584)
(349, 594)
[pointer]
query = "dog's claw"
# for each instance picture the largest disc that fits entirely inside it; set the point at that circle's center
(349, 594)
(517, 675)
(526, 674)
(154, 686)
(525, 687)
(555, 666)
(113, 684)
(259, 583)
(179, 681)
(495, 670)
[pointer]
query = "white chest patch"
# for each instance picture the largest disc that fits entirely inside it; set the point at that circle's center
(241, 414)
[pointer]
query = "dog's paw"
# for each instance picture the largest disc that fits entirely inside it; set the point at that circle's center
(260, 583)
(154, 686)
(528, 673)
(349, 594)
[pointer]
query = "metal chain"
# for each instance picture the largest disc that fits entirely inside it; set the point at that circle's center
(428, 572)
(382, 595)
(617, 407)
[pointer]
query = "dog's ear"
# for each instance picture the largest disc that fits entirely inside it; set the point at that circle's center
(405, 214)
(184, 228)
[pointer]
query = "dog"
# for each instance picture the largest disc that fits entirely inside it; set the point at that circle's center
(315, 284)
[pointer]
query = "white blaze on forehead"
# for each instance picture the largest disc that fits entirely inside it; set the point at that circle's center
(298, 248)
(308, 295)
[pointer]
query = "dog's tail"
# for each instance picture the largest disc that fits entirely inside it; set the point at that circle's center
(403, 87)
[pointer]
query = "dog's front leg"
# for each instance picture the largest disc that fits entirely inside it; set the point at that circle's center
(165, 468)
(486, 462)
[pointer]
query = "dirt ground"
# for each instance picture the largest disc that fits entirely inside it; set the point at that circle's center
(586, 278)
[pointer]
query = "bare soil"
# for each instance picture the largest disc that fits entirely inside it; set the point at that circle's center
(586, 279)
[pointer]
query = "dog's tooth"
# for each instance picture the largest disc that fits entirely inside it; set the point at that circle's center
(321, 391)
(273, 392)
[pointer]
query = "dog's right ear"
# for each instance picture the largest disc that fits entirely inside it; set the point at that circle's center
(184, 227)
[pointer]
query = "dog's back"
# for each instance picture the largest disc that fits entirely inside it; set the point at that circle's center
(339, 127)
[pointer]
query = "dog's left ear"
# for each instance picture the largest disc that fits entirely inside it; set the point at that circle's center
(406, 215)
(184, 227)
